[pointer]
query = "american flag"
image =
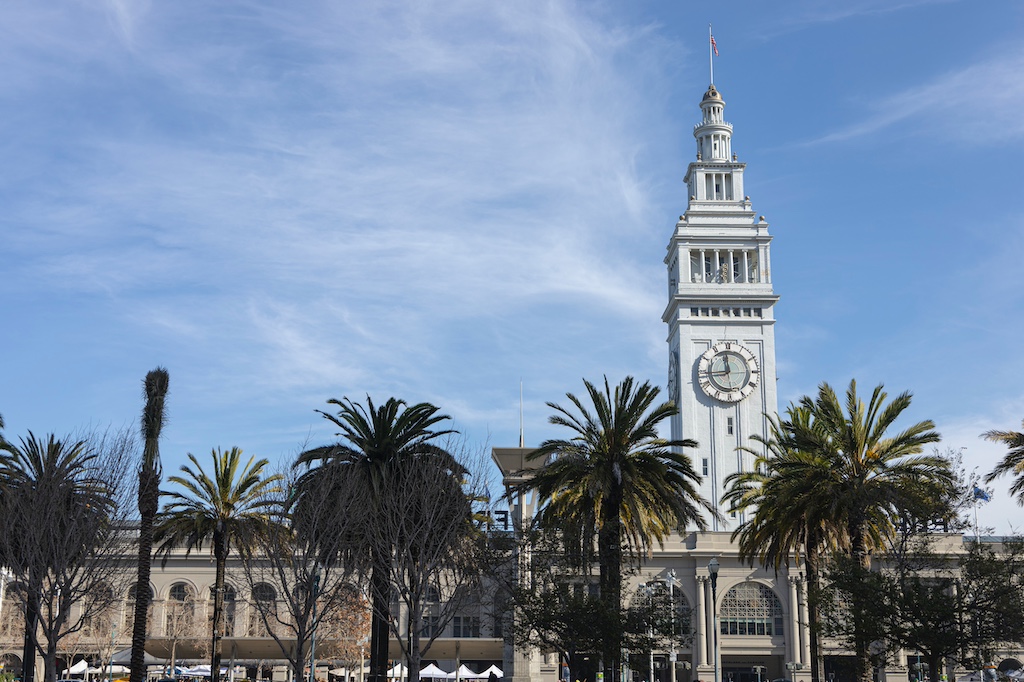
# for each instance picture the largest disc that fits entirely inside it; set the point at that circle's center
(714, 45)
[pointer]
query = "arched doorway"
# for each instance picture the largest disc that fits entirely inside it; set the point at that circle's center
(10, 664)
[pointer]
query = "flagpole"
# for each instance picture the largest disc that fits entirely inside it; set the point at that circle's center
(711, 54)
(977, 535)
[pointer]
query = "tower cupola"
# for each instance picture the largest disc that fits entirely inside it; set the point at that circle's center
(713, 134)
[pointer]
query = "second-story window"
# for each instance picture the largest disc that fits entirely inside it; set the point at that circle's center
(465, 626)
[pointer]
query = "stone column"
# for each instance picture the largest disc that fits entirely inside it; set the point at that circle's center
(793, 650)
(700, 647)
(805, 627)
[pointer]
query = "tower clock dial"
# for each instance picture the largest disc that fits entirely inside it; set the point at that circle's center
(728, 372)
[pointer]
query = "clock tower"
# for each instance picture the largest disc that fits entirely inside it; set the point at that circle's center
(720, 313)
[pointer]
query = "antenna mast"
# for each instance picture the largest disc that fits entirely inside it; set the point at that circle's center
(522, 440)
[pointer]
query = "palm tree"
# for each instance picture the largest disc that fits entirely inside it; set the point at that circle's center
(377, 444)
(872, 477)
(50, 493)
(1012, 462)
(150, 471)
(875, 476)
(785, 493)
(228, 509)
(616, 478)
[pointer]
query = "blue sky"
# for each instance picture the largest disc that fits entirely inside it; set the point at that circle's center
(435, 200)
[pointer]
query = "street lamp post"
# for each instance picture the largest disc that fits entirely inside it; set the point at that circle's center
(713, 572)
(671, 580)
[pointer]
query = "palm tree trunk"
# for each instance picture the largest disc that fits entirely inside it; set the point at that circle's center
(380, 588)
(28, 655)
(862, 647)
(610, 561)
(149, 496)
(814, 614)
(220, 550)
(156, 385)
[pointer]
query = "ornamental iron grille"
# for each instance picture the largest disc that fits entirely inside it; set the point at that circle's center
(751, 609)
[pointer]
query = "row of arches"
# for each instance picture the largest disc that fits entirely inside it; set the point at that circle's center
(749, 608)
(179, 613)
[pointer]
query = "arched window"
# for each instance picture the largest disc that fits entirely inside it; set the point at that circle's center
(179, 611)
(180, 592)
(229, 609)
(10, 663)
(431, 608)
(264, 605)
(98, 609)
(1008, 664)
(751, 609)
(264, 592)
(662, 604)
(129, 610)
(12, 619)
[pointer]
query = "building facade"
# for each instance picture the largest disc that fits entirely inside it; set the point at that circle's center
(180, 617)
(747, 623)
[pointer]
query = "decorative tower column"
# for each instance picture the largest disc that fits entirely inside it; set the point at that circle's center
(720, 312)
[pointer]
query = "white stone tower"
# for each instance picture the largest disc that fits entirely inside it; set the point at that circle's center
(720, 312)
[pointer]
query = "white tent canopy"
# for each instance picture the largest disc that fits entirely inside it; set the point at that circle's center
(433, 672)
(399, 671)
(79, 668)
(109, 670)
(464, 673)
(493, 669)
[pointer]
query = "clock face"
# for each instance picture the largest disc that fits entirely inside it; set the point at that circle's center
(728, 372)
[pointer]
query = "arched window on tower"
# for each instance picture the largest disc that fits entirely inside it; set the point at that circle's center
(751, 609)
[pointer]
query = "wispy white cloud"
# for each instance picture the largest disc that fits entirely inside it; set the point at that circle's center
(989, 94)
(426, 175)
(814, 12)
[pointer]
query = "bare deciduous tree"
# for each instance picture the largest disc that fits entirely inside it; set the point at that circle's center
(437, 539)
(65, 534)
(183, 622)
(298, 592)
